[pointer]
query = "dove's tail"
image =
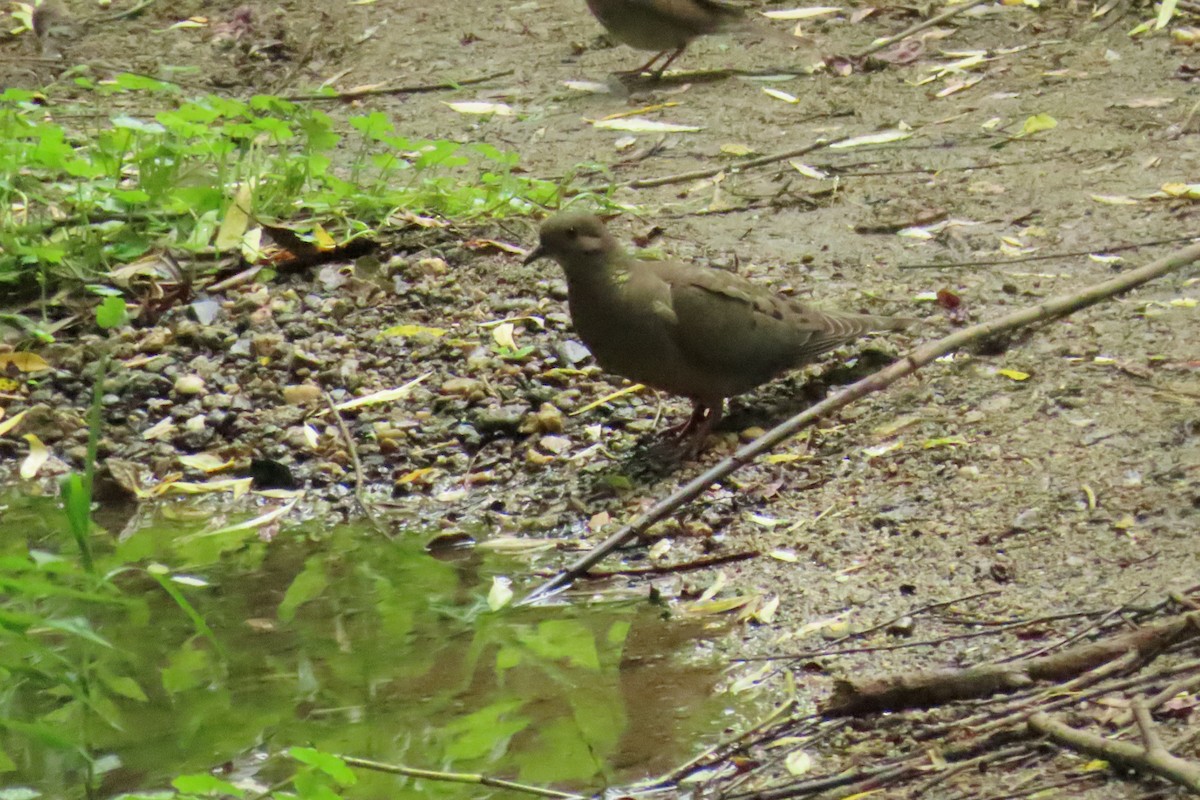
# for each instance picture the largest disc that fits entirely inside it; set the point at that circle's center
(876, 323)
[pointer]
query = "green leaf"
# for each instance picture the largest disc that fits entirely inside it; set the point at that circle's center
(77, 502)
(328, 763)
(111, 313)
(1038, 123)
(206, 784)
(308, 585)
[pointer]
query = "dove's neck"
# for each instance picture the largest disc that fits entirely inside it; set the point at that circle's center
(599, 274)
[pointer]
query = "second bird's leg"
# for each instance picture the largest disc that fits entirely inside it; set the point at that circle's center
(648, 66)
(703, 419)
(659, 72)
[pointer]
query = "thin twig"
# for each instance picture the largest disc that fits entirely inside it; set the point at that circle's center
(666, 569)
(730, 169)
(1078, 634)
(911, 613)
(1003, 262)
(976, 763)
(458, 777)
(1072, 698)
(925, 354)
(883, 648)
(372, 91)
(348, 440)
(132, 11)
(1150, 756)
(879, 44)
(711, 754)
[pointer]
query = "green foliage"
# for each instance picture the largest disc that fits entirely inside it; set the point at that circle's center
(78, 203)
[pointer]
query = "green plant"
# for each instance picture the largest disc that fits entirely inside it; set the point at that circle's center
(79, 203)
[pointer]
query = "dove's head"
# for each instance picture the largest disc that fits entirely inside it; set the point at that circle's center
(576, 240)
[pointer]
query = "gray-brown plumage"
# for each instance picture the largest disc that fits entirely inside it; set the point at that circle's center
(665, 26)
(703, 333)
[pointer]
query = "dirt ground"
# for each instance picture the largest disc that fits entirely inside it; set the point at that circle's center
(1074, 489)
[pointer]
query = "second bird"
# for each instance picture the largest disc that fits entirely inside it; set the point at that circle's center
(703, 333)
(665, 26)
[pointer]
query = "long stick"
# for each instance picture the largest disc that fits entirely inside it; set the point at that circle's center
(922, 355)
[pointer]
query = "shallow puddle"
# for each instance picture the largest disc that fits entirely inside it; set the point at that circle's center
(330, 637)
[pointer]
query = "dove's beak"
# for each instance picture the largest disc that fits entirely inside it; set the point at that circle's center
(534, 255)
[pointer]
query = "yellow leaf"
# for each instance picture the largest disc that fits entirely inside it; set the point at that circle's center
(250, 524)
(503, 335)
(1188, 191)
(23, 362)
(12, 422)
(500, 594)
(481, 107)
(637, 387)
(36, 458)
(780, 95)
(642, 125)
(384, 396)
(413, 330)
(1013, 374)
(418, 475)
(733, 149)
(323, 239)
(946, 441)
(206, 462)
(237, 218)
(238, 486)
(885, 137)
(802, 13)
(765, 613)
(1038, 123)
(717, 606)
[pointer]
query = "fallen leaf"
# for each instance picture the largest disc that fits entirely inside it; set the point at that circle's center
(643, 125)
(500, 594)
(38, 455)
(480, 107)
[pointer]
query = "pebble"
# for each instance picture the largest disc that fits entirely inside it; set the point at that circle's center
(189, 385)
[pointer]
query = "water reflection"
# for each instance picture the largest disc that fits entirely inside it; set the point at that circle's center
(339, 639)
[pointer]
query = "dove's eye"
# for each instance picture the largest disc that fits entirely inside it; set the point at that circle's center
(572, 233)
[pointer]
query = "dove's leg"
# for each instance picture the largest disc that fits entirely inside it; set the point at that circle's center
(648, 66)
(659, 72)
(703, 419)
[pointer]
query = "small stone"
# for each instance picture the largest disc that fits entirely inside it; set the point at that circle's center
(498, 419)
(573, 352)
(1026, 520)
(304, 394)
(555, 444)
(462, 387)
(266, 345)
(432, 266)
(189, 385)
(547, 419)
(663, 528)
